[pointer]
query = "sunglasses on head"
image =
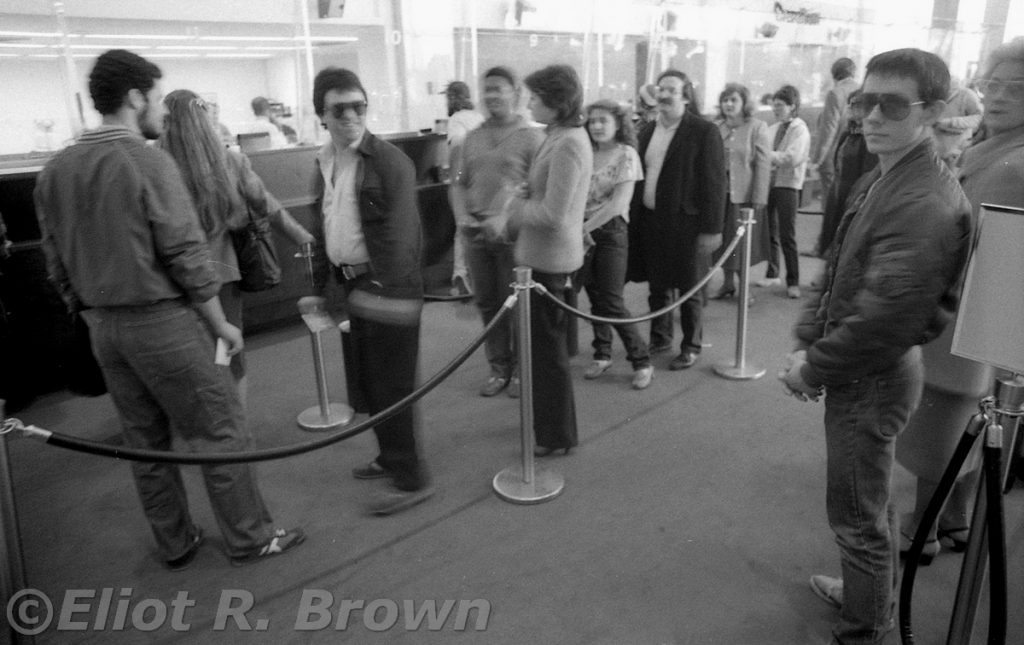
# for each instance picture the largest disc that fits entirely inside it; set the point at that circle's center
(893, 106)
(338, 109)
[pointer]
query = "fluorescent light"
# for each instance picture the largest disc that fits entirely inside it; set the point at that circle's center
(31, 34)
(172, 56)
(248, 38)
(138, 36)
(237, 56)
(23, 45)
(196, 47)
(288, 48)
(105, 47)
(330, 39)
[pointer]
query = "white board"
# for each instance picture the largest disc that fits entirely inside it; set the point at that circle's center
(990, 325)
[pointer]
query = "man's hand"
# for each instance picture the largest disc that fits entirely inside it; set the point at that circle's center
(793, 380)
(230, 335)
(707, 244)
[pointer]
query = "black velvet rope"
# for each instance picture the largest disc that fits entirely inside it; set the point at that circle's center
(740, 232)
(266, 454)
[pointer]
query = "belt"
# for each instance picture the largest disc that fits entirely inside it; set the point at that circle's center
(353, 271)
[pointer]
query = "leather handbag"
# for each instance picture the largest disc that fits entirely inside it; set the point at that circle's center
(257, 258)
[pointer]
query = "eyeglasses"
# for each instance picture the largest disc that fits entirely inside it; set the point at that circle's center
(338, 109)
(1012, 90)
(893, 106)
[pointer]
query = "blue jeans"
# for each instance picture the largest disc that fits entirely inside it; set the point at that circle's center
(158, 364)
(491, 271)
(862, 420)
(603, 276)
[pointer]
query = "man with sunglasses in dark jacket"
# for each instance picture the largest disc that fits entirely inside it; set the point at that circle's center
(890, 286)
(373, 239)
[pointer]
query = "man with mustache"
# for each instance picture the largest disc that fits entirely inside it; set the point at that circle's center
(675, 219)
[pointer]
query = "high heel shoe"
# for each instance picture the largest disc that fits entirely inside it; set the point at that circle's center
(724, 293)
(928, 553)
(955, 539)
(542, 451)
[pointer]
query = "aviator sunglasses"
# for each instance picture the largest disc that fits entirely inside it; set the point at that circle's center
(893, 106)
(338, 109)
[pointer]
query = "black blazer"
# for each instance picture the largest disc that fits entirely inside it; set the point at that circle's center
(689, 199)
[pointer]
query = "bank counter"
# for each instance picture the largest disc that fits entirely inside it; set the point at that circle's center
(44, 349)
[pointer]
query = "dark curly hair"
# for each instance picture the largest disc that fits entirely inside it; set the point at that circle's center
(624, 131)
(115, 73)
(788, 95)
(334, 78)
(559, 88)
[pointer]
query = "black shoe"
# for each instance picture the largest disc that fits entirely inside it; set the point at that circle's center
(184, 561)
(282, 541)
(372, 470)
(392, 501)
(683, 361)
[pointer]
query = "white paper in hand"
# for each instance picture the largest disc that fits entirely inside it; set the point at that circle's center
(222, 357)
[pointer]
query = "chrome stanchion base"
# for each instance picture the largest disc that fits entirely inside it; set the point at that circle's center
(546, 485)
(338, 414)
(739, 372)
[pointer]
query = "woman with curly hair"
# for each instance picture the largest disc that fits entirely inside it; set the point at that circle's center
(617, 168)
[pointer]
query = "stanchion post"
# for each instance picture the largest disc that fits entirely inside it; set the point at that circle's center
(526, 484)
(740, 370)
(12, 574)
(325, 416)
(1009, 402)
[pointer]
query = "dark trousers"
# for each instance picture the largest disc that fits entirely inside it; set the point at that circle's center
(491, 270)
(554, 406)
(603, 276)
(691, 314)
(782, 207)
(380, 369)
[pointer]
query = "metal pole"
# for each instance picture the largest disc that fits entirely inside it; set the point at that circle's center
(525, 484)
(1009, 402)
(740, 370)
(12, 576)
(327, 415)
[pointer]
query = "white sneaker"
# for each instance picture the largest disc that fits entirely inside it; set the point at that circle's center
(828, 589)
(769, 282)
(642, 377)
(597, 368)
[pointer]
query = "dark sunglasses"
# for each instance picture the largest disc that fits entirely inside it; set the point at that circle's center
(338, 109)
(893, 106)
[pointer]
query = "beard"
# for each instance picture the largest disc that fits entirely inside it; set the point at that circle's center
(148, 129)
